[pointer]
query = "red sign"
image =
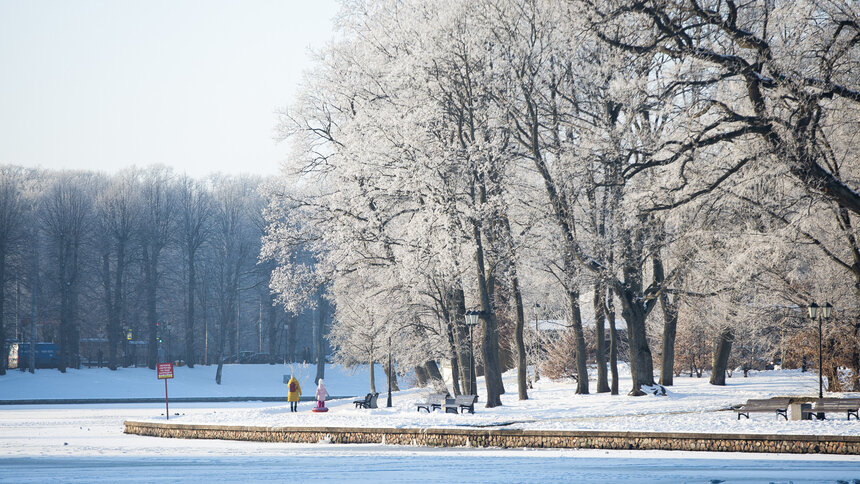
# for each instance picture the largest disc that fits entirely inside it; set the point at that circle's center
(165, 370)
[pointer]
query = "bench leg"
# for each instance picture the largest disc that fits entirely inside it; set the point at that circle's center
(782, 413)
(745, 414)
(850, 413)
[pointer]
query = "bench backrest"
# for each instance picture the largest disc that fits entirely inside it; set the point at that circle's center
(373, 398)
(838, 403)
(436, 398)
(465, 399)
(768, 403)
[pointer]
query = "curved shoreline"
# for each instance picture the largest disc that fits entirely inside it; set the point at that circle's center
(509, 438)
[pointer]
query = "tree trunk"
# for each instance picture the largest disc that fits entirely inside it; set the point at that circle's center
(226, 317)
(855, 363)
(449, 312)
(464, 343)
(34, 307)
(496, 374)
(372, 376)
(189, 312)
(670, 325)
(391, 376)
(434, 376)
(581, 350)
(291, 338)
(722, 349)
(150, 267)
(273, 328)
(4, 350)
(318, 337)
(641, 363)
(112, 317)
(119, 297)
(522, 369)
(490, 334)
(420, 376)
(613, 342)
(600, 336)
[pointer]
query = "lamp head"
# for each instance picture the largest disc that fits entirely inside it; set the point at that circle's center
(472, 318)
(813, 311)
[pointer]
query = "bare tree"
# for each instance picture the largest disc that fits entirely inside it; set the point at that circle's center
(195, 212)
(234, 247)
(12, 208)
(157, 229)
(67, 218)
(118, 217)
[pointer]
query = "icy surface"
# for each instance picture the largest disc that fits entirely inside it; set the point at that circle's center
(236, 381)
(85, 443)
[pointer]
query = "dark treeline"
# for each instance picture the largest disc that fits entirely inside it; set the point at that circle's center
(143, 265)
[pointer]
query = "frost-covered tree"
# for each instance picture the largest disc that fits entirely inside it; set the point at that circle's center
(67, 218)
(118, 215)
(13, 207)
(158, 226)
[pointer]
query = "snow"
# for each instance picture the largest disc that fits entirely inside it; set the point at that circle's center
(85, 443)
(691, 405)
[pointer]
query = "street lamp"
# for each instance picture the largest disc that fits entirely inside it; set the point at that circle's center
(471, 322)
(390, 370)
(537, 333)
(813, 315)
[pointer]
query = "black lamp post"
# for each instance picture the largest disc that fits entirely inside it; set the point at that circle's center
(390, 367)
(389, 372)
(824, 314)
(471, 321)
(537, 333)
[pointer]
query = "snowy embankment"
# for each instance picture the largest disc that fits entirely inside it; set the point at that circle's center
(691, 405)
(236, 381)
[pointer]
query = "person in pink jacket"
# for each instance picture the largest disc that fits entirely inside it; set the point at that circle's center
(322, 394)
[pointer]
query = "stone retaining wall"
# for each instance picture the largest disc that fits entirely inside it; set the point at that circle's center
(505, 438)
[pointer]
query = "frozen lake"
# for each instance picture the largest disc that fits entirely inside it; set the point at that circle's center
(383, 465)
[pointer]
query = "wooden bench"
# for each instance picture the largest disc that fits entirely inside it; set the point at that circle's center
(779, 405)
(434, 401)
(830, 405)
(461, 402)
(369, 401)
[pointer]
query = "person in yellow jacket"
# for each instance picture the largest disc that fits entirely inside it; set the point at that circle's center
(295, 391)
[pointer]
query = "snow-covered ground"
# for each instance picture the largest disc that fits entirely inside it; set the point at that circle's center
(691, 405)
(85, 443)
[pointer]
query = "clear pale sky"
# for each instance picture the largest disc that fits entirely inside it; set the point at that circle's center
(104, 84)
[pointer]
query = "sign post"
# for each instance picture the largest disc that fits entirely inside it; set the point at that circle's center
(165, 371)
